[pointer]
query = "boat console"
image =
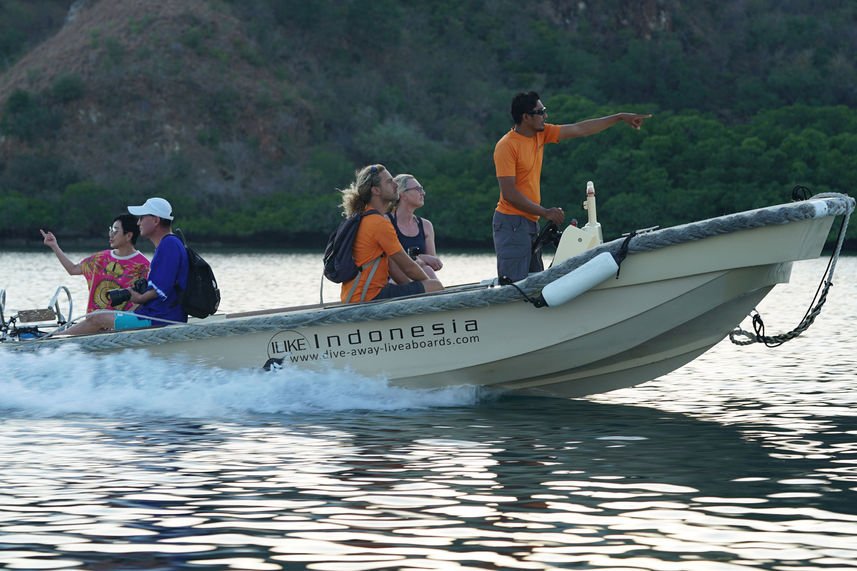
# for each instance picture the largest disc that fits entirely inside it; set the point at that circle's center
(577, 240)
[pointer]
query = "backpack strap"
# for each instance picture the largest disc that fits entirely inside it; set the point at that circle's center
(179, 290)
(353, 287)
(374, 263)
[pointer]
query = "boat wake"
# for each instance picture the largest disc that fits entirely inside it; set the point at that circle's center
(68, 381)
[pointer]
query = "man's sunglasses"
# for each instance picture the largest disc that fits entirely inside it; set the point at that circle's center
(542, 111)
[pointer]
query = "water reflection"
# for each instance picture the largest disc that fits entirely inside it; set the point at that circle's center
(517, 483)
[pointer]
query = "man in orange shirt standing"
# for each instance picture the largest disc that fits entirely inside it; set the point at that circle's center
(376, 245)
(518, 161)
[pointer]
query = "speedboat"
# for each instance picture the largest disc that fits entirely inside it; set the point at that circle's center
(603, 316)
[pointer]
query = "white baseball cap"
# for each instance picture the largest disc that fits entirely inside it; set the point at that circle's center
(155, 207)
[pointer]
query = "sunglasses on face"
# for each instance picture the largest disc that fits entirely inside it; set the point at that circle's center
(543, 111)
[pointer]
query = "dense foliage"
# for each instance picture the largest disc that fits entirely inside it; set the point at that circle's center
(749, 99)
(679, 167)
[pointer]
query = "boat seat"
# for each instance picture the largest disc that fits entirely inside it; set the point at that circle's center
(36, 315)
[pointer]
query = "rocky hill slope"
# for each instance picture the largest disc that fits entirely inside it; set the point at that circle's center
(164, 87)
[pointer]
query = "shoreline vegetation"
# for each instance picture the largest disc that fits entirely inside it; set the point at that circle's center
(89, 245)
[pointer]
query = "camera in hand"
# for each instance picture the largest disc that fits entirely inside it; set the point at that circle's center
(120, 296)
(414, 251)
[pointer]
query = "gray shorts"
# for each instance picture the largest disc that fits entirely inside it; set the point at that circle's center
(513, 242)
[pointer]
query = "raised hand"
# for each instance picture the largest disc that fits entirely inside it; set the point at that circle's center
(634, 120)
(50, 239)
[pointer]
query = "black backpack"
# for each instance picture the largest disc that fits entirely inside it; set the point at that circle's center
(201, 297)
(339, 266)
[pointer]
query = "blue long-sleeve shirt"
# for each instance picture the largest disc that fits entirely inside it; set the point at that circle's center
(168, 270)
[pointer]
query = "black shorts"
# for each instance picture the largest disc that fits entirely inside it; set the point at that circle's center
(400, 290)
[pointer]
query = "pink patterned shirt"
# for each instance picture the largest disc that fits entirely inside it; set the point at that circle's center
(105, 271)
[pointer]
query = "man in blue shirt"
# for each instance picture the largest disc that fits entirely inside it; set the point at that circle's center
(161, 302)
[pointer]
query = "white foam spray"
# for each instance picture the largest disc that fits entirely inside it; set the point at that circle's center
(69, 381)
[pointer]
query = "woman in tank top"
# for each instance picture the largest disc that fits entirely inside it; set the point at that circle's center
(415, 234)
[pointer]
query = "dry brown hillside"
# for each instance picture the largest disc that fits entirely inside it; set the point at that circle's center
(168, 85)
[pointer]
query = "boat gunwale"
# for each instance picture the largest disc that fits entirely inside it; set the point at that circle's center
(338, 304)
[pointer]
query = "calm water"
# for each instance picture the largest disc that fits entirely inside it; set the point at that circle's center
(744, 459)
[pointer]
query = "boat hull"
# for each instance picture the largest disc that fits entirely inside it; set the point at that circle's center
(571, 350)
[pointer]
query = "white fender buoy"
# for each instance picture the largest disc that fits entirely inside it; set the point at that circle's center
(580, 280)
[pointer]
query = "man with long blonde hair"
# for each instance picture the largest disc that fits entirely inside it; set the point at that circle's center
(376, 243)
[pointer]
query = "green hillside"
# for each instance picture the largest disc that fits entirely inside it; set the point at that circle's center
(247, 115)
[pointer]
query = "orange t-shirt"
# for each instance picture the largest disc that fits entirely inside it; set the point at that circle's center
(375, 237)
(521, 157)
